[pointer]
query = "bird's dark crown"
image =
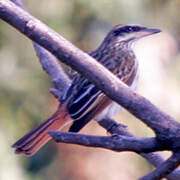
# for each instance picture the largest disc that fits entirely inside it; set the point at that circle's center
(126, 29)
(130, 32)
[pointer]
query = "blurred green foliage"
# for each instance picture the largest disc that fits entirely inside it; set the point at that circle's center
(24, 96)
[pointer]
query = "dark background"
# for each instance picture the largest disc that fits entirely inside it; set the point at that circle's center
(24, 88)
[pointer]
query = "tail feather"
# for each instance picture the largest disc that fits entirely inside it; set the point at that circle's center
(34, 140)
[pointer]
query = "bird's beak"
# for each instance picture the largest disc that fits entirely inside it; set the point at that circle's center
(149, 31)
(146, 32)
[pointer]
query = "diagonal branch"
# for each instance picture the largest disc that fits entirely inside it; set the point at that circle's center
(157, 161)
(165, 168)
(143, 109)
(166, 128)
(50, 65)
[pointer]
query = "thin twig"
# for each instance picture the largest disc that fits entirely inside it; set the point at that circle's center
(157, 160)
(165, 168)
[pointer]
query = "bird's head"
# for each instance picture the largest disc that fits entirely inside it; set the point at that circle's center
(129, 33)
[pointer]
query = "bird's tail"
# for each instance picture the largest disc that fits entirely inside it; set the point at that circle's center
(34, 140)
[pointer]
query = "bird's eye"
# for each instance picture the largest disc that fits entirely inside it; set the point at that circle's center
(129, 29)
(132, 28)
(126, 29)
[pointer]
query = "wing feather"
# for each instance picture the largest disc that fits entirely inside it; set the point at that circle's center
(87, 97)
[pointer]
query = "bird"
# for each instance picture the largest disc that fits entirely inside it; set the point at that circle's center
(83, 101)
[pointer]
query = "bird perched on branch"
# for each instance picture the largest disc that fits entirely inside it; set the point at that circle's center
(83, 100)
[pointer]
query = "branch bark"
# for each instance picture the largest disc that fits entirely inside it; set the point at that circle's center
(164, 169)
(115, 142)
(90, 68)
(154, 158)
(50, 64)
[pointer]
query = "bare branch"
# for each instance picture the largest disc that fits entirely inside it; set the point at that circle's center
(126, 142)
(160, 122)
(115, 142)
(51, 65)
(157, 160)
(154, 158)
(165, 127)
(165, 168)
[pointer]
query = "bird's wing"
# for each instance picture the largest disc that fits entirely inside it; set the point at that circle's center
(87, 100)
